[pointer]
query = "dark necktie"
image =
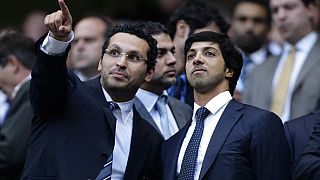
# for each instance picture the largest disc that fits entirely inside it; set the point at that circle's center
(106, 171)
(189, 161)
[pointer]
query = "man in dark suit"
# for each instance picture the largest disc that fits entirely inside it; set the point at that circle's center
(191, 16)
(74, 133)
(164, 113)
(225, 139)
(298, 132)
(307, 164)
(16, 60)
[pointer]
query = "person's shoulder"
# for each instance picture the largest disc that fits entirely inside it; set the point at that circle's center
(305, 119)
(258, 115)
(178, 103)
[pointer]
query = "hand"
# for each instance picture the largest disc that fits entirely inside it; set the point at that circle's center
(59, 23)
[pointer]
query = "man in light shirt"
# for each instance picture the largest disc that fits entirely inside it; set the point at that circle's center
(16, 60)
(225, 139)
(289, 89)
(152, 95)
(91, 130)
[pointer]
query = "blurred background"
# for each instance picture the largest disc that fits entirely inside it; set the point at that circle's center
(14, 13)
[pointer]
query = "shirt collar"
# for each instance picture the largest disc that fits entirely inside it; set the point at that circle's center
(18, 86)
(216, 103)
(305, 44)
(151, 98)
(125, 107)
(259, 56)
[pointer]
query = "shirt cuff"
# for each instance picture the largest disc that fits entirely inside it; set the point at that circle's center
(54, 47)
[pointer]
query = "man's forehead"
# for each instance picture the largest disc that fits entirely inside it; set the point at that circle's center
(164, 41)
(128, 41)
(204, 44)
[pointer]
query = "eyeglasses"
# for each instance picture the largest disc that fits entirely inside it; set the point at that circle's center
(130, 56)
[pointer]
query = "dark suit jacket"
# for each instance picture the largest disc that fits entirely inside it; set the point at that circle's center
(298, 132)
(14, 135)
(306, 92)
(181, 112)
(307, 164)
(73, 129)
(247, 143)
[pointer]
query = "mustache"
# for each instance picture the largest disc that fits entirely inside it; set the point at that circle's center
(119, 71)
(198, 68)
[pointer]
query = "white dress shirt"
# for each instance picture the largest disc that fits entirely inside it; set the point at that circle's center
(216, 106)
(303, 48)
(149, 101)
(124, 126)
(124, 116)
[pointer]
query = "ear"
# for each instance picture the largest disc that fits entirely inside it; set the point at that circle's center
(182, 29)
(149, 75)
(13, 63)
(99, 65)
(229, 73)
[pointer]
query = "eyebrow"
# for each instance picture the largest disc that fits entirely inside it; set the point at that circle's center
(115, 46)
(205, 48)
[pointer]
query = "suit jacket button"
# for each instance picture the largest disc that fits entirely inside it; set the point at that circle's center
(103, 155)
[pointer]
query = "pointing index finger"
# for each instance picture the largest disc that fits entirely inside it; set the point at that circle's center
(64, 8)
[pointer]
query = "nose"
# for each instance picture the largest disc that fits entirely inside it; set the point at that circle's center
(249, 24)
(122, 61)
(80, 45)
(280, 14)
(171, 60)
(198, 59)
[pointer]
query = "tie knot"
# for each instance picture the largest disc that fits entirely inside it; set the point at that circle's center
(202, 113)
(113, 106)
(163, 98)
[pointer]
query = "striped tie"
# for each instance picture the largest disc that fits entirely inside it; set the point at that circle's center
(105, 173)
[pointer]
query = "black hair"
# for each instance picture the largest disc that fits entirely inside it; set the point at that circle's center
(263, 3)
(137, 30)
(197, 14)
(15, 43)
(231, 55)
(307, 2)
(154, 28)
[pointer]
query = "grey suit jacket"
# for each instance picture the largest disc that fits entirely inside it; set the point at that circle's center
(14, 135)
(181, 112)
(306, 93)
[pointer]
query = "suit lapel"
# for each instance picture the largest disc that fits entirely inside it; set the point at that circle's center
(229, 118)
(145, 114)
(268, 78)
(311, 60)
(95, 89)
(310, 122)
(177, 113)
(173, 148)
(139, 148)
(20, 98)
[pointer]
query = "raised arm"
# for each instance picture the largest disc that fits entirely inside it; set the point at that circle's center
(59, 23)
(50, 82)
